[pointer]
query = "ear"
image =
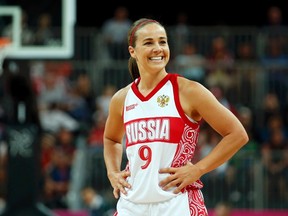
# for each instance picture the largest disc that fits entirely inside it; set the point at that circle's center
(131, 51)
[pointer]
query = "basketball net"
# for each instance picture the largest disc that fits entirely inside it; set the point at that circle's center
(5, 44)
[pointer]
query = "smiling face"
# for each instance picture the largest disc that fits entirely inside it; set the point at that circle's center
(151, 49)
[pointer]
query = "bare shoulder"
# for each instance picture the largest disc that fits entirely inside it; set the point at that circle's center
(189, 88)
(194, 97)
(121, 93)
(119, 97)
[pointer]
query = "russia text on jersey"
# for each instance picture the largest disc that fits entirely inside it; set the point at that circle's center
(164, 129)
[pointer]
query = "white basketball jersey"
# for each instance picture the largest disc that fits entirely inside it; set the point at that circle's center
(158, 135)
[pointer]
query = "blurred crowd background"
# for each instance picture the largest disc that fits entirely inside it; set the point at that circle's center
(245, 67)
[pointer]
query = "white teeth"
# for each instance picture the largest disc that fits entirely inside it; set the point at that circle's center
(156, 58)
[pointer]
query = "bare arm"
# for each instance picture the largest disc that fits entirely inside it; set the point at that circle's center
(199, 103)
(224, 122)
(113, 149)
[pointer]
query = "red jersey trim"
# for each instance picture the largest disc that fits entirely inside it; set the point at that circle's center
(152, 93)
(174, 82)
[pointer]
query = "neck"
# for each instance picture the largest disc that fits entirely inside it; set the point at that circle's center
(149, 82)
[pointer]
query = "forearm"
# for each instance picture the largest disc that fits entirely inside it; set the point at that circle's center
(112, 155)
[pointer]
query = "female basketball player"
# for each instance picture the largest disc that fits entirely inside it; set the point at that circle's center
(159, 113)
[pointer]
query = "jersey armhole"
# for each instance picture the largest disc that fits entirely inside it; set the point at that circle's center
(189, 121)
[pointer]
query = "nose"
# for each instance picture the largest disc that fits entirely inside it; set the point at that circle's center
(157, 48)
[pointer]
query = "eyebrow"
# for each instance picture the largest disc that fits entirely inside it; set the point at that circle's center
(149, 38)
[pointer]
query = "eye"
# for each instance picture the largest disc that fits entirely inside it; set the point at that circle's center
(148, 43)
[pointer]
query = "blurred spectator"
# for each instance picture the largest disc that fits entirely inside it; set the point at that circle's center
(83, 86)
(57, 181)
(220, 63)
(52, 88)
(275, 160)
(275, 62)
(27, 35)
(274, 122)
(93, 201)
(274, 29)
(59, 106)
(44, 34)
(270, 106)
(248, 76)
(103, 101)
(190, 63)
(47, 146)
(53, 119)
(95, 135)
(274, 57)
(274, 16)
(181, 33)
(245, 52)
(115, 32)
(77, 107)
(65, 140)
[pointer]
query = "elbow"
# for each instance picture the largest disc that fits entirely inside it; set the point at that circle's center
(243, 137)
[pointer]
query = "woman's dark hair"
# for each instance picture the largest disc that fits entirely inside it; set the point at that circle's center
(132, 37)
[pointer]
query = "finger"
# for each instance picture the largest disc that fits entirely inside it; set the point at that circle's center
(116, 193)
(167, 170)
(124, 183)
(169, 178)
(126, 174)
(178, 188)
(165, 181)
(169, 182)
(123, 190)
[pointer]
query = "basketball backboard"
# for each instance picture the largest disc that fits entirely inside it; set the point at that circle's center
(63, 18)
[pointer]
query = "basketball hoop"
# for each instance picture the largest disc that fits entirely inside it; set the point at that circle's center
(5, 44)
